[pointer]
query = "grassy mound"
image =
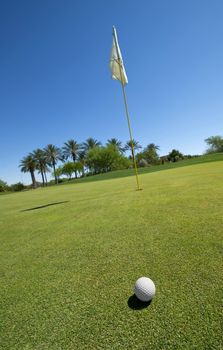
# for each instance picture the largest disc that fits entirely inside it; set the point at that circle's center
(130, 172)
(70, 256)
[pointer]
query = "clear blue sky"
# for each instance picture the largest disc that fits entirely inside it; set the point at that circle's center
(55, 82)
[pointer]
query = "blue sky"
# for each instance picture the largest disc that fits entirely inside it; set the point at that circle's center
(55, 82)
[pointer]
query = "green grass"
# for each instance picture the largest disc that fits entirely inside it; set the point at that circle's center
(130, 172)
(68, 269)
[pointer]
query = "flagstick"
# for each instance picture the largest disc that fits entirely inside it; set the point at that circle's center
(119, 61)
(130, 131)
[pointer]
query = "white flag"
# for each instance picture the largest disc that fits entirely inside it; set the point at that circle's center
(116, 62)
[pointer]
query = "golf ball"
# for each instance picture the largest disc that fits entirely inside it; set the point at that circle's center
(144, 289)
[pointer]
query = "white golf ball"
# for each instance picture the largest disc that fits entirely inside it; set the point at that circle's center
(144, 289)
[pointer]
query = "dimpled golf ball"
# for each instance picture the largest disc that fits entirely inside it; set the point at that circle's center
(144, 289)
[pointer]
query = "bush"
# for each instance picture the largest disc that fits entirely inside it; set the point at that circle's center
(149, 155)
(17, 187)
(143, 163)
(68, 169)
(104, 159)
(175, 156)
(215, 143)
(3, 186)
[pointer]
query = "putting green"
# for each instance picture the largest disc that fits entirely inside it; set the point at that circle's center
(70, 256)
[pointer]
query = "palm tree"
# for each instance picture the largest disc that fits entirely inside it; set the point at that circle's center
(116, 143)
(150, 153)
(129, 144)
(53, 154)
(41, 163)
(82, 160)
(45, 170)
(152, 147)
(71, 149)
(90, 143)
(28, 164)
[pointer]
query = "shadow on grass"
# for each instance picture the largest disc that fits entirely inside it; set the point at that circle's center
(135, 304)
(44, 206)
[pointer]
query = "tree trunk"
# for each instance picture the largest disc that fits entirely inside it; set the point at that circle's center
(33, 178)
(42, 177)
(74, 161)
(45, 177)
(83, 172)
(54, 169)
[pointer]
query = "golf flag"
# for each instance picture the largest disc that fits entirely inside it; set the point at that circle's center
(116, 62)
(118, 73)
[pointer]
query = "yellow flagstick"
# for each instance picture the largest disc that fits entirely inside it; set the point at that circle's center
(130, 131)
(127, 115)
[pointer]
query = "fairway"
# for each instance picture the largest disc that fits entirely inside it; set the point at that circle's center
(70, 256)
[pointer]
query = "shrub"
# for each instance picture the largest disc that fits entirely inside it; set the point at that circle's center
(143, 163)
(3, 186)
(68, 169)
(17, 187)
(175, 155)
(103, 159)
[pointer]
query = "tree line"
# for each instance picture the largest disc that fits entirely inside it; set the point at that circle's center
(81, 159)
(91, 157)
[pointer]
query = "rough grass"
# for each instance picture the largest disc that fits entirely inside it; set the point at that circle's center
(69, 263)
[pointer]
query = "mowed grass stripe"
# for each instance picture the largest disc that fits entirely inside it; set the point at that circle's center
(68, 269)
